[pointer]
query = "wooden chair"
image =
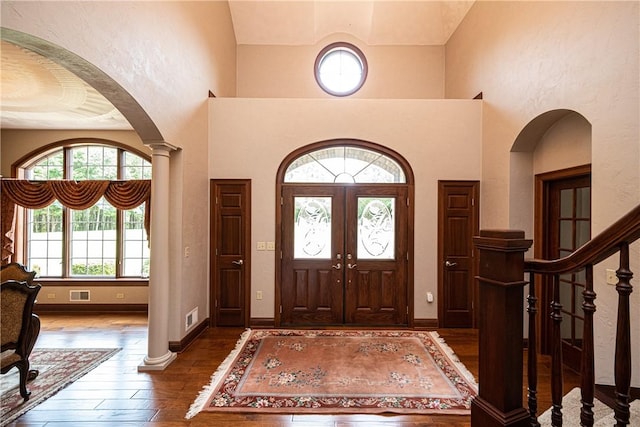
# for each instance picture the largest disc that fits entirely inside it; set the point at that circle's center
(16, 271)
(19, 273)
(19, 328)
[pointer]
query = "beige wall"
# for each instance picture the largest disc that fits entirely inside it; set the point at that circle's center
(529, 58)
(263, 132)
(167, 56)
(394, 71)
(566, 144)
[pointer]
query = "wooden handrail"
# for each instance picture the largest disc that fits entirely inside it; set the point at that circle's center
(601, 247)
(501, 293)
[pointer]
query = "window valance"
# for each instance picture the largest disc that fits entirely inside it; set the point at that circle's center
(72, 194)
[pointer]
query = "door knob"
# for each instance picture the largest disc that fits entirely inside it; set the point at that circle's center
(337, 266)
(238, 262)
(450, 264)
(351, 266)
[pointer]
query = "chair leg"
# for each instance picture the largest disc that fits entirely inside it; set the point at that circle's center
(24, 372)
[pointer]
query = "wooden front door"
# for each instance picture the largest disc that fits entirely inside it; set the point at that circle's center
(230, 252)
(344, 255)
(457, 224)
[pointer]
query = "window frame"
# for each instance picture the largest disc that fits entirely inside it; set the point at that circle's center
(350, 48)
(19, 169)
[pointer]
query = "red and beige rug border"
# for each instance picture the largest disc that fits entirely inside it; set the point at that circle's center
(221, 372)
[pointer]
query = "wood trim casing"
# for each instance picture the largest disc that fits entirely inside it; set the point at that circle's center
(425, 324)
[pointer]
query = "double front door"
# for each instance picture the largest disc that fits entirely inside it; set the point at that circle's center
(344, 255)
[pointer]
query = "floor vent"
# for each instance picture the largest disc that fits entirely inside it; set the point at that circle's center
(79, 295)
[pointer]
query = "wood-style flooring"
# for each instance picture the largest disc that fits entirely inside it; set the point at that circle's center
(116, 394)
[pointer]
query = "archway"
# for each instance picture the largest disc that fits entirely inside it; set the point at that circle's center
(344, 235)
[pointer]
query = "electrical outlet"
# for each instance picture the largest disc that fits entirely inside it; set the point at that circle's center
(258, 294)
(119, 295)
(51, 296)
(271, 246)
(612, 279)
(262, 246)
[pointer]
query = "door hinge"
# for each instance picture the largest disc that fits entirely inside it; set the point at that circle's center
(280, 254)
(280, 309)
(473, 201)
(407, 256)
(216, 304)
(407, 310)
(408, 203)
(216, 200)
(281, 201)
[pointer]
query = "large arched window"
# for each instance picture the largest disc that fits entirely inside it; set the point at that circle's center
(100, 241)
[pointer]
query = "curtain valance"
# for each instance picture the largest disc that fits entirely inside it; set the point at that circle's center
(77, 195)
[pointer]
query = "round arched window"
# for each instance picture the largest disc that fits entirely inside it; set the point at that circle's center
(341, 69)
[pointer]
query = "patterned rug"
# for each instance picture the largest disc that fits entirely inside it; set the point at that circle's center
(339, 371)
(58, 368)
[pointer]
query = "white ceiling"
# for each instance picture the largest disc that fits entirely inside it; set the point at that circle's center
(40, 94)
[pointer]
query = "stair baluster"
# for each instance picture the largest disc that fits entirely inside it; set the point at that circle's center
(532, 360)
(587, 371)
(622, 366)
(556, 355)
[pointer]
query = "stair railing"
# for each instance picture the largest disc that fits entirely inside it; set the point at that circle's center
(502, 269)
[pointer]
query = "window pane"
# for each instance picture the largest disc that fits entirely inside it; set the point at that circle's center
(44, 240)
(94, 162)
(312, 228)
(583, 202)
(49, 167)
(566, 203)
(136, 247)
(136, 167)
(93, 241)
(376, 228)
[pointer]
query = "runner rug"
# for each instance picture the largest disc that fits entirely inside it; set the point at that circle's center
(339, 371)
(58, 368)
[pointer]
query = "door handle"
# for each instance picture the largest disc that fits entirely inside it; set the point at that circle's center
(238, 262)
(338, 266)
(450, 264)
(351, 266)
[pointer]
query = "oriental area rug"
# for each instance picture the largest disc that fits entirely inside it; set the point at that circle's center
(339, 371)
(58, 368)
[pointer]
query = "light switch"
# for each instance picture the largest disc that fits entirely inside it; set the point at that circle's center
(271, 246)
(262, 246)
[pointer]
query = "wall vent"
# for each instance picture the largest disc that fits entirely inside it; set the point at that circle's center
(191, 318)
(79, 295)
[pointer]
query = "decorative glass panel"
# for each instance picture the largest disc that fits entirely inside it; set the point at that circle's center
(376, 228)
(312, 227)
(345, 164)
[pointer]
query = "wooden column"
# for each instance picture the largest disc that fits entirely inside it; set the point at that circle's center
(501, 287)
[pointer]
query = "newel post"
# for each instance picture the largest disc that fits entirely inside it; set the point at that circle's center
(501, 289)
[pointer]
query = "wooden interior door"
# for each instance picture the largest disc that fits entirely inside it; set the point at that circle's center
(344, 255)
(569, 227)
(230, 252)
(458, 222)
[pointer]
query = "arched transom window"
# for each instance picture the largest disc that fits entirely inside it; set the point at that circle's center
(344, 164)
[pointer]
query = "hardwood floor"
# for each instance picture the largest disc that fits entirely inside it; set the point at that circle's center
(116, 394)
